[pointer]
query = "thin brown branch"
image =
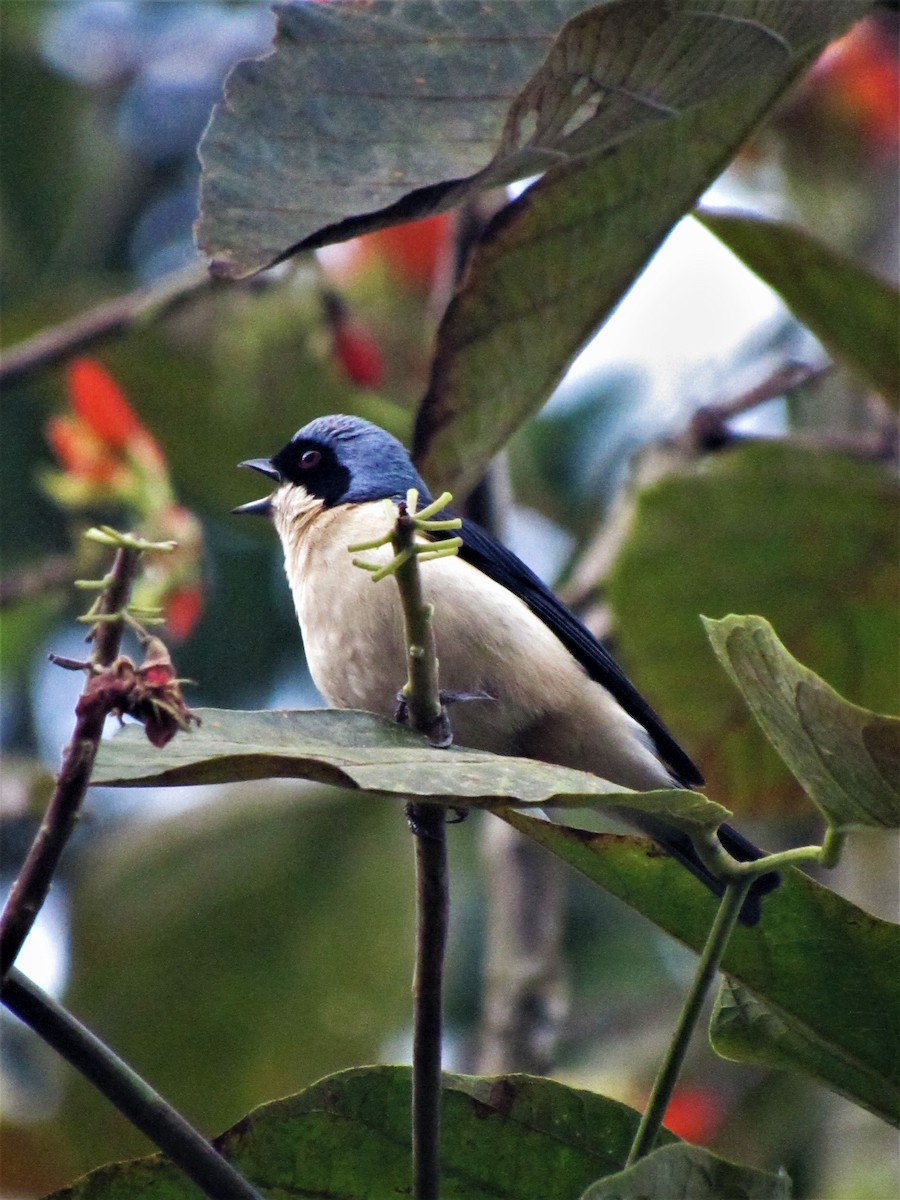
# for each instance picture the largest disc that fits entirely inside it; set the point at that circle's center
(427, 714)
(525, 998)
(130, 1094)
(30, 889)
(37, 579)
(432, 919)
(107, 320)
(707, 428)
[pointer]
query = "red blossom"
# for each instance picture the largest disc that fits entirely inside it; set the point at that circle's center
(693, 1114)
(151, 693)
(859, 78)
(101, 408)
(414, 254)
(355, 350)
(414, 250)
(99, 403)
(80, 452)
(101, 441)
(358, 355)
(182, 608)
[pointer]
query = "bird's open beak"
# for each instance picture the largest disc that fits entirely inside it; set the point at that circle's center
(263, 507)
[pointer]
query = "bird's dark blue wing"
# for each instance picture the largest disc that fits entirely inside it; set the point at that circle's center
(495, 560)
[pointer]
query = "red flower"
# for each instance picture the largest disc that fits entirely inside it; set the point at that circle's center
(413, 254)
(355, 350)
(103, 412)
(415, 249)
(693, 1114)
(859, 76)
(358, 356)
(182, 608)
(80, 452)
(98, 402)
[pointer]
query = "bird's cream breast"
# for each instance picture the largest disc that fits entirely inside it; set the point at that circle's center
(352, 627)
(348, 629)
(488, 641)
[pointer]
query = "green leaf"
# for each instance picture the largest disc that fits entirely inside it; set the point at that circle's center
(551, 267)
(745, 1030)
(808, 538)
(361, 750)
(852, 312)
(816, 960)
(348, 1136)
(689, 1173)
(366, 115)
(846, 758)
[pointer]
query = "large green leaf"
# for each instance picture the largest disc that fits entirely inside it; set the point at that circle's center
(818, 962)
(369, 114)
(851, 311)
(746, 1030)
(846, 758)
(510, 1137)
(808, 538)
(550, 268)
(358, 749)
(369, 109)
(689, 1173)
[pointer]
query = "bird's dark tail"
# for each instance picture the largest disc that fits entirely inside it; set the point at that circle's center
(680, 846)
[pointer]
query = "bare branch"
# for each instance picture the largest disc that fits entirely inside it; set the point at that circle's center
(37, 579)
(130, 1094)
(30, 889)
(100, 324)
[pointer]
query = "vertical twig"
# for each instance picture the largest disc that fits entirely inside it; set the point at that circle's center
(722, 927)
(432, 917)
(427, 714)
(30, 889)
(109, 1074)
(130, 1094)
(525, 997)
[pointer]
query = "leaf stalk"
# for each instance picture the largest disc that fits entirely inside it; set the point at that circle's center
(713, 950)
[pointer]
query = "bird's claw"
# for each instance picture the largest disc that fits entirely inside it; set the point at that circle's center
(401, 712)
(420, 831)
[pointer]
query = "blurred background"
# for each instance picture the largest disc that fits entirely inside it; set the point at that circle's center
(235, 944)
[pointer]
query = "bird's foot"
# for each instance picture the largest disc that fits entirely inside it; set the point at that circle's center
(421, 830)
(401, 712)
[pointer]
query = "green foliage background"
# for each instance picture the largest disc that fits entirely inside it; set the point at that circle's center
(241, 949)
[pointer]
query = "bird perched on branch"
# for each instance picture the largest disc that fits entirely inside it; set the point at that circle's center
(551, 691)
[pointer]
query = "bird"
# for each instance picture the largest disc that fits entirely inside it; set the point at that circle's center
(548, 689)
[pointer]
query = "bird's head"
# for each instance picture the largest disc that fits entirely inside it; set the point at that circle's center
(336, 460)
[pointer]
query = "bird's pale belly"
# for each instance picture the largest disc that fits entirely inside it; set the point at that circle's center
(488, 641)
(355, 651)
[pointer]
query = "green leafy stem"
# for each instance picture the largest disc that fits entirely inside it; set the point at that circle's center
(426, 713)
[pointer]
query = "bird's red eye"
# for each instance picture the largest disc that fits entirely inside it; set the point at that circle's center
(310, 459)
